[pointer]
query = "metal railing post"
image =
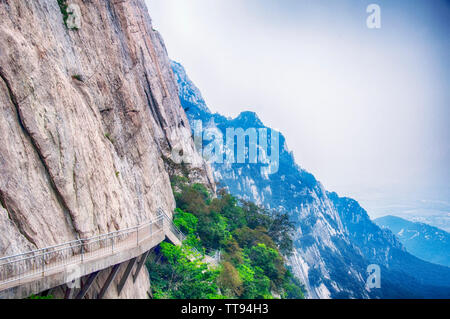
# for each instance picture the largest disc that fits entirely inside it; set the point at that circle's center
(43, 264)
(82, 250)
(20, 277)
(137, 235)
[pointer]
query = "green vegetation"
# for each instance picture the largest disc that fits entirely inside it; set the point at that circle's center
(181, 276)
(40, 297)
(77, 77)
(63, 7)
(109, 137)
(252, 241)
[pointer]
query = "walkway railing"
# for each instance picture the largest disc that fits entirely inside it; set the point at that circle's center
(36, 264)
(212, 256)
(171, 226)
(215, 255)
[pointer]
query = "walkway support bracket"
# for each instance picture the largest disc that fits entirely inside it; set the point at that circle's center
(87, 285)
(139, 265)
(68, 293)
(126, 275)
(108, 281)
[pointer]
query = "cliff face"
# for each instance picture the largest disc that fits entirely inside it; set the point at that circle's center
(87, 117)
(335, 240)
(322, 246)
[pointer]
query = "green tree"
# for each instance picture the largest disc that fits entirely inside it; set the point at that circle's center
(187, 222)
(230, 281)
(293, 289)
(270, 261)
(281, 231)
(183, 276)
(252, 239)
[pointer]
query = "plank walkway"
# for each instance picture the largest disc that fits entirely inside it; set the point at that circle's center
(35, 265)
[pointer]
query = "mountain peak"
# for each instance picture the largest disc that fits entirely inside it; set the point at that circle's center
(188, 92)
(248, 119)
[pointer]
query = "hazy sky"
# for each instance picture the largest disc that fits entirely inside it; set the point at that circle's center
(367, 111)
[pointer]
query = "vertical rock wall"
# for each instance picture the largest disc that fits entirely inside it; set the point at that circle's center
(86, 117)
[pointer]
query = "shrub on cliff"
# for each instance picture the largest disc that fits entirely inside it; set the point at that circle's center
(181, 275)
(252, 240)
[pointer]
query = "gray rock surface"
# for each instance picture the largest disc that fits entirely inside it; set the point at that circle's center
(87, 117)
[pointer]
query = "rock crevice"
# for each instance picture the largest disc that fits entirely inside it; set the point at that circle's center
(38, 151)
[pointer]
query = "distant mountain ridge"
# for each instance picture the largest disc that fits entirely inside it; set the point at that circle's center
(405, 275)
(335, 240)
(424, 241)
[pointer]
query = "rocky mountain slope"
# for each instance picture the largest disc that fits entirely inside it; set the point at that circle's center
(424, 241)
(87, 116)
(335, 240)
(404, 275)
